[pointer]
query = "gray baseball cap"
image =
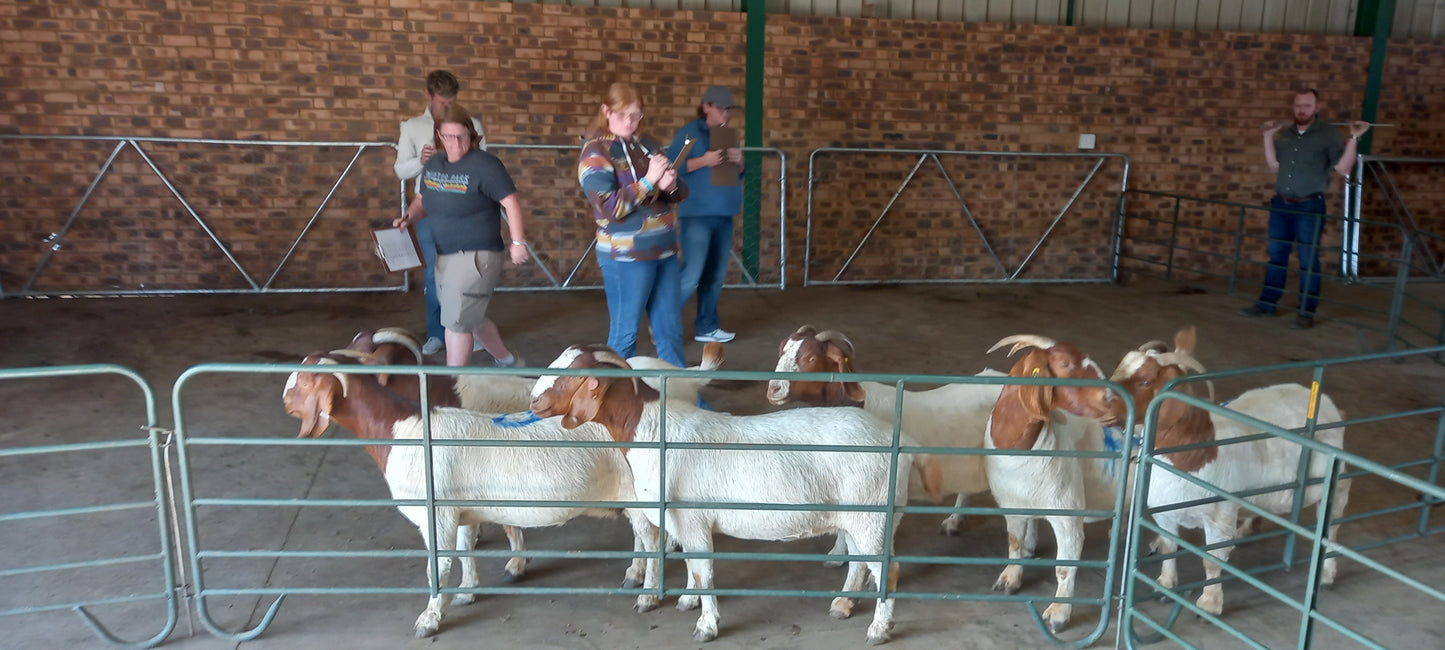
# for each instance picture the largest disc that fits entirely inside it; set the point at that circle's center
(721, 96)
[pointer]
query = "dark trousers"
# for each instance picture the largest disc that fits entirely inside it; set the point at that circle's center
(1297, 226)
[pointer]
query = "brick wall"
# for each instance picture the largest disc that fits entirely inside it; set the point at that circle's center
(1184, 106)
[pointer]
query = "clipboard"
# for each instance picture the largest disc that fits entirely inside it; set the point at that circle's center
(397, 249)
(682, 154)
(724, 174)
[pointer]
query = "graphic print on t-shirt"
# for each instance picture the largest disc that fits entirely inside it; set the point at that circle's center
(443, 182)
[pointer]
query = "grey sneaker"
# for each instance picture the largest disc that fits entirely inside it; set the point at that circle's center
(718, 335)
(433, 345)
(517, 362)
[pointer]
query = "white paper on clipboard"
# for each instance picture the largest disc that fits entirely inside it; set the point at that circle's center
(396, 248)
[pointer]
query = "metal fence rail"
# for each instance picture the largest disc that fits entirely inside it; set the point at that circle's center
(165, 585)
(1106, 244)
(1401, 313)
(1139, 585)
(202, 548)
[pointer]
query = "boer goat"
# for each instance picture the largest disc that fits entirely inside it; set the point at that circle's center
(361, 405)
(954, 415)
(1229, 467)
(498, 393)
(1024, 418)
(631, 411)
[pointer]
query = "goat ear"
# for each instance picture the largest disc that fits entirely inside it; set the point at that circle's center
(317, 398)
(585, 403)
(1185, 340)
(1037, 400)
(842, 362)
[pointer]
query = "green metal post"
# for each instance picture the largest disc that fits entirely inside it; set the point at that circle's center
(1373, 20)
(1069, 17)
(753, 135)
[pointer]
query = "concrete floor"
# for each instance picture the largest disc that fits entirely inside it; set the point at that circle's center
(935, 329)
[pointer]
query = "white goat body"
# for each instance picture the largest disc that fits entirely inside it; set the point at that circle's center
(776, 477)
(475, 473)
(1246, 466)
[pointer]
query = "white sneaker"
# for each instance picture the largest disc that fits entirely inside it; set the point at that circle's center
(433, 345)
(718, 335)
(517, 362)
(476, 344)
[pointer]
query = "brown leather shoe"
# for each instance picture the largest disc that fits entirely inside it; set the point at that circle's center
(1302, 323)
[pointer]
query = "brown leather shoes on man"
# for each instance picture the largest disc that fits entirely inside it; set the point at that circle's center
(1256, 311)
(1302, 323)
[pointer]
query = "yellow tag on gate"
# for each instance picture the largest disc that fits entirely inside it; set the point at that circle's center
(1314, 398)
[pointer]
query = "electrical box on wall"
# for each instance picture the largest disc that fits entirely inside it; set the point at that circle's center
(1086, 141)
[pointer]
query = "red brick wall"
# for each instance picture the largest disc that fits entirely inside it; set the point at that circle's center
(1185, 106)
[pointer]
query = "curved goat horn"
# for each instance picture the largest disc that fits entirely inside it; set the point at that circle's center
(837, 338)
(1154, 346)
(363, 357)
(399, 336)
(1188, 362)
(806, 330)
(340, 376)
(1021, 341)
(608, 356)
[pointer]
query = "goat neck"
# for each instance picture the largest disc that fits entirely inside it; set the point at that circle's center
(1012, 425)
(369, 412)
(1185, 424)
(622, 404)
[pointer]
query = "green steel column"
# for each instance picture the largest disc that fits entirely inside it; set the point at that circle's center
(753, 134)
(1374, 19)
(1069, 16)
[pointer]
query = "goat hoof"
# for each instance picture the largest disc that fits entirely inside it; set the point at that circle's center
(878, 633)
(427, 624)
(842, 608)
(1058, 626)
(703, 635)
(833, 564)
(1007, 588)
(463, 599)
(509, 577)
(646, 604)
(685, 603)
(631, 583)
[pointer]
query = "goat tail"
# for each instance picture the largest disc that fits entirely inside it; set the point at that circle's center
(931, 474)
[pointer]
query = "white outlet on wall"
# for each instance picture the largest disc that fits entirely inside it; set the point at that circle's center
(1086, 141)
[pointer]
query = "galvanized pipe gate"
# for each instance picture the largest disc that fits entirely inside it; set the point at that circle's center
(1129, 514)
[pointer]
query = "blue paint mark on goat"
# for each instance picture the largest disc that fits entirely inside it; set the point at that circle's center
(516, 420)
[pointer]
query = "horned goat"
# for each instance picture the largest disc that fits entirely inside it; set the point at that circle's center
(1025, 418)
(632, 411)
(1229, 467)
(361, 405)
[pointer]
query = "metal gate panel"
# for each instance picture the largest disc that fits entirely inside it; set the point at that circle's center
(1143, 624)
(206, 547)
(158, 584)
(936, 240)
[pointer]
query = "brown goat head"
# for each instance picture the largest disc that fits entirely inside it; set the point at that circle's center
(808, 350)
(585, 399)
(309, 396)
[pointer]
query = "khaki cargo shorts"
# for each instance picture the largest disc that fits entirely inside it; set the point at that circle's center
(465, 282)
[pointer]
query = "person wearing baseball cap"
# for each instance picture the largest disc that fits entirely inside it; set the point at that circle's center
(705, 218)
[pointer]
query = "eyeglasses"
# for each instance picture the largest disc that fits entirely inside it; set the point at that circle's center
(455, 137)
(630, 117)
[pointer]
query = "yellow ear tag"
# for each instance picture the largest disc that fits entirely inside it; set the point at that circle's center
(1036, 372)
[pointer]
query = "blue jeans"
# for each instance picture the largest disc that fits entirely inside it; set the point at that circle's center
(428, 246)
(1298, 228)
(706, 244)
(637, 288)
